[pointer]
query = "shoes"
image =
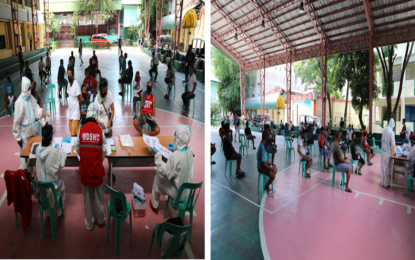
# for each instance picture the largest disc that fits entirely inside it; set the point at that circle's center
(271, 193)
(166, 96)
(345, 158)
(8, 116)
(121, 94)
(330, 165)
(213, 162)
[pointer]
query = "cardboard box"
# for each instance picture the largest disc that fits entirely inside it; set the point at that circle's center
(138, 208)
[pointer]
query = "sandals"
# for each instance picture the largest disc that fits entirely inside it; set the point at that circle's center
(348, 190)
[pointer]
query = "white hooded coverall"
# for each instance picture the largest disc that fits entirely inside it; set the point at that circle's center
(49, 162)
(93, 196)
(177, 170)
(388, 148)
(26, 111)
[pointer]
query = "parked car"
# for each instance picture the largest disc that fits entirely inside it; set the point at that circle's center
(310, 120)
(101, 40)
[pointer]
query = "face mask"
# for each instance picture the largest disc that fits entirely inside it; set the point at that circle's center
(350, 128)
(8, 78)
(149, 89)
(169, 66)
(103, 95)
(70, 79)
(190, 71)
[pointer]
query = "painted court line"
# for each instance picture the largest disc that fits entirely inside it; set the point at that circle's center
(2, 175)
(381, 202)
(409, 210)
(357, 195)
(17, 154)
(264, 246)
(3, 198)
(240, 195)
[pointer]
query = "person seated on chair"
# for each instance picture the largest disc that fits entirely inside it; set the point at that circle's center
(411, 158)
(127, 77)
(264, 166)
(54, 158)
(249, 136)
(212, 152)
(91, 84)
(343, 144)
(9, 94)
(281, 127)
(92, 152)
(94, 64)
(147, 112)
(121, 60)
(229, 151)
(222, 130)
(85, 104)
(170, 78)
(61, 79)
(153, 67)
(301, 152)
(309, 134)
(339, 162)
(324, 149)
(177, 170)
(36, 95)
(71, 62)
(365, 147)
(186, 96)
(28, 72)
(328, 133)
(167, 53)
(42, 72)
(356, 154)
(138, 90)
(270, 146)
(48, 63)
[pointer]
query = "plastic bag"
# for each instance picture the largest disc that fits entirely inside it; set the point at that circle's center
(126, 141)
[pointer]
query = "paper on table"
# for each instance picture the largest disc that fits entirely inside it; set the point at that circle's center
(111, 141)
(151, 141)
(57, 141)
(108, 149)
(73, 141)
(67, 147)
(77, 154)
(164, 151)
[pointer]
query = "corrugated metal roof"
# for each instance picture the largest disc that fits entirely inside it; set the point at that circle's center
(341, 20)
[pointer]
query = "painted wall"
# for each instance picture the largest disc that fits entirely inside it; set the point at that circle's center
(130, 15)
(5, 53)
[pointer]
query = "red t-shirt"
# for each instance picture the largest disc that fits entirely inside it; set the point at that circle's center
(321, 141)
(365, 144)
(90, 83)
(148, 105)
(72, 58)
(221, 132)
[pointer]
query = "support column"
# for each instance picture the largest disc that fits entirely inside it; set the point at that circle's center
(33, 4)
(370, 82)
(243, 98)
(14, 4)
(178, 11)
(242, 90)
(323, 82)
(262, 88)
(147, 18)
(288, 71)
(159, 9)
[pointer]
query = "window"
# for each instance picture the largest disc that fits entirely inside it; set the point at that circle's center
(385, 51)
(2, 42)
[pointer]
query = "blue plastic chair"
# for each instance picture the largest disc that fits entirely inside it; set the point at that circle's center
(289, 148)
(151, 75)
(11, 107)
(357, 164)
(173, 88)
(230, 168)
(129, 89)
(40, 127)
(263, 183)
(137, 107)
(411, 178)
(175, 250)
(334, 175)
(243, 146)
(375, 146)
(188, 205)
(50, 99)
(117, 217)
(303, 164)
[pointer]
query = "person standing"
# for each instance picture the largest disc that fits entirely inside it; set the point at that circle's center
(190, 61)
(61, 79)
(74, 103)
(402, 134)
(388, 149)
(120, 44)
(186, 96)
(236, 123)
(42, 73)
(121, 60)
(153, 66)
(324, 149)
(80, 52)
(170, 79)
(8, 93)
(26, 110)
(91, 146)
(48, 63)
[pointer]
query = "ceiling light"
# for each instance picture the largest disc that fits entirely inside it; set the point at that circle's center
(301, 8)
(236, 37)
(263, 24)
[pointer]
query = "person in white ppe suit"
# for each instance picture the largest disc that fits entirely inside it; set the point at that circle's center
(49, 161)
(388, 148)
(26, 112)
(411, 157)
(177, 170)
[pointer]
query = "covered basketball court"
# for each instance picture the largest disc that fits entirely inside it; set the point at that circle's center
(307, 218)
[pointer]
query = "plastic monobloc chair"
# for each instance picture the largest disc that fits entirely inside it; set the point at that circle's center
(50, 99)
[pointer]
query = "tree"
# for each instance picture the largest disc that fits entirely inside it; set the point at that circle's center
(152, 14)
(133, 30)
(53, 24)
(355, 69)
(85, 7)
(310, 73)
(214, 107)
(228, 73)
(387, 67)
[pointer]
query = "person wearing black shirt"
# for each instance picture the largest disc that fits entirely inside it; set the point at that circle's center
(356, 154)
(402, 133)
(230, 153)
(249, 135)
(190, 60)
(127, 77)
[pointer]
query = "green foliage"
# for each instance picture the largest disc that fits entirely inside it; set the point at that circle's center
(85, 7)
(74, 24)
(152, 13)
(133, 30)
(354, 67)
(228, 73)
(214, 107)
(53, 24)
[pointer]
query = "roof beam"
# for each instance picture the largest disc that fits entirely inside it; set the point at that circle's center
(272, 26)
(251, 43)
(315, 21)
(369, 16)
(225, 46)
(233, 11)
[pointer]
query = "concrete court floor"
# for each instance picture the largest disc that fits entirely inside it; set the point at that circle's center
(73, 240)
(307, 218)
(108, 64)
